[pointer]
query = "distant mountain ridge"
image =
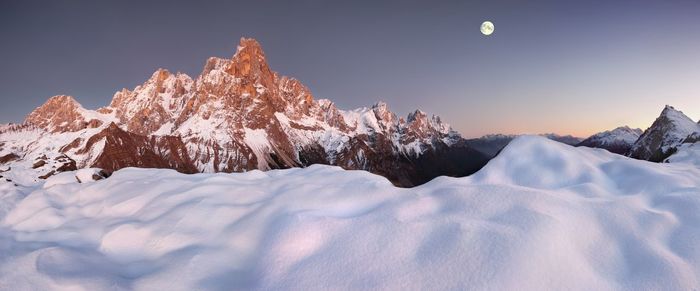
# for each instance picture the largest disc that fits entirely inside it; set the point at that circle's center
(491, 144)
(237, 115)
(671, 131)
(619, 140)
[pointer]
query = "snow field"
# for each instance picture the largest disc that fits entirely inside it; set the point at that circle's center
(541, 215)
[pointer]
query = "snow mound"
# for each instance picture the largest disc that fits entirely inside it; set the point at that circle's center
(686, 153)
(542, 215)
(61, 179)
(86, 175)
(536, 162)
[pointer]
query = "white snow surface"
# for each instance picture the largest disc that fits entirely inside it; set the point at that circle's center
(61, 179)
(686, 153)
(86, 175)
(540, 216)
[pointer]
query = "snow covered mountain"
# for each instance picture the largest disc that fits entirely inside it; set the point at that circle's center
(618, 140)
(542, 215)
(669, 130)
(237, 115)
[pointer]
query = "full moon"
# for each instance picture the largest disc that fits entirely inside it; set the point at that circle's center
(487, 28)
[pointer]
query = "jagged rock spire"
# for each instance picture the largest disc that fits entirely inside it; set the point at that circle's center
(61, 113)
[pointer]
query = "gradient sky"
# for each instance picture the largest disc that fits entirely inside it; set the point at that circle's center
(573, 67)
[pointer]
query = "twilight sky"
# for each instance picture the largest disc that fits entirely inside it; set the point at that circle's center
(573, 67)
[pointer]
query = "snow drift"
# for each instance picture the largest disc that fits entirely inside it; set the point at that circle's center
(686, 153)
(541, 215)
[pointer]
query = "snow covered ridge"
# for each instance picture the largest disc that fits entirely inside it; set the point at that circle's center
(619, 140)
(686, 153)
(238, 115)
(540, 216)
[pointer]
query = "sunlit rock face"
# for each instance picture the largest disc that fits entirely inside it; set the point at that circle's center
(62, 113)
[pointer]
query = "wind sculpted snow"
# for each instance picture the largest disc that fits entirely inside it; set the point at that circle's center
(541, 215)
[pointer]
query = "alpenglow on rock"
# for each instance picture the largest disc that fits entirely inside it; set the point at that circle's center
(239, 115)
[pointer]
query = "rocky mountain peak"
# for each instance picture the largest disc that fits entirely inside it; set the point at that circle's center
(678, 118)
(297, 96)
(61, 113)
(622, 130)
(417, 115)
(249, 45)
(64, 102)
(249, 61)
(670, 111)
(419, 121)
(154, 103)
(381, 105)
(215, 63)
(160, 74)
(676, 121)
(382, 112)
(668, 131)
(328, 112)
(244, 91)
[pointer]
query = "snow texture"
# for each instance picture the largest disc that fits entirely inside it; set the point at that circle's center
(686, 153)
(540, 216)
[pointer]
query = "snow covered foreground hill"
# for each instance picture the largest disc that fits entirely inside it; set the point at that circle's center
(540, 216)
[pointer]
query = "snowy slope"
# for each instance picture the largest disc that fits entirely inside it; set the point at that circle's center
(686, 153)
(540, 216)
